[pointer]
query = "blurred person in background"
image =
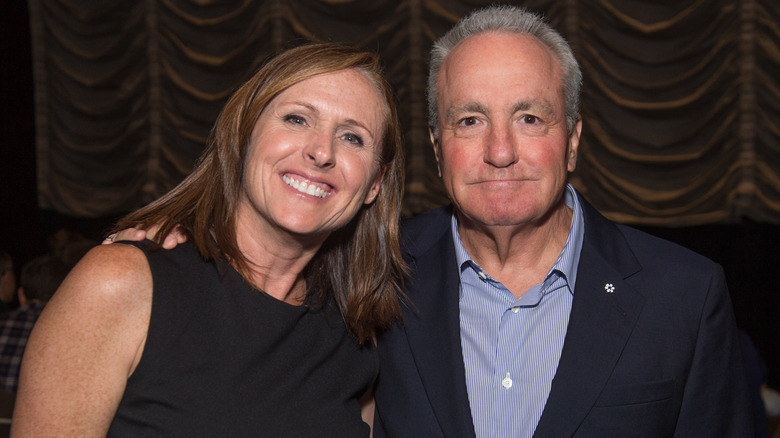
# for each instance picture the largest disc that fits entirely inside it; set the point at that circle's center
(38, 280)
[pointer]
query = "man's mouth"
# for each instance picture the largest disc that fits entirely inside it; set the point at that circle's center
(305, 187)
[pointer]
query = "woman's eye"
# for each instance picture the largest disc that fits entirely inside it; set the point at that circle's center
(353, 138)
(295, 119)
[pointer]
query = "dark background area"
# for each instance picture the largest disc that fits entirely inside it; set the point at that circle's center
(24, 228)
(747, 250)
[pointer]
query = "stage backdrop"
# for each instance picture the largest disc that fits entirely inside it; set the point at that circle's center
(681, 103)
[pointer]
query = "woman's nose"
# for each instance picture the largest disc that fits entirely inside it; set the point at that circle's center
(320, 150)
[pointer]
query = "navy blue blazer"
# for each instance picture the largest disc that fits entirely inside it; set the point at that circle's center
(657, 357)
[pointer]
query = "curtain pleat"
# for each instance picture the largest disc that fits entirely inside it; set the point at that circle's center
(681, 105)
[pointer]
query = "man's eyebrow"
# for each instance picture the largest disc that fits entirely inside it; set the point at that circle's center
(468, 107)
(542, 106)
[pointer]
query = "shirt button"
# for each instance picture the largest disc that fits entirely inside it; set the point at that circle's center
(507, 382)
(515, 309)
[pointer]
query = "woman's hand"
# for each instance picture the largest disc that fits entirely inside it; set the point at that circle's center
(131, 234)
(171, 241)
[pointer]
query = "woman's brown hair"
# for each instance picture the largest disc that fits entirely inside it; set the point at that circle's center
(360, 265)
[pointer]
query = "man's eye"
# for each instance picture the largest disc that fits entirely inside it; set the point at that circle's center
(527, 118)
(353, 138)
(468, 121)
(295, 119)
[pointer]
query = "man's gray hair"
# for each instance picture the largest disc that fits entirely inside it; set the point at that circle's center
(510, 19)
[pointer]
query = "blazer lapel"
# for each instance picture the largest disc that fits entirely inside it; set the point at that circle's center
(604, 312)
(433, 330)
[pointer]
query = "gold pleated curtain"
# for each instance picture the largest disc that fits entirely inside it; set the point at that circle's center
(681, 101)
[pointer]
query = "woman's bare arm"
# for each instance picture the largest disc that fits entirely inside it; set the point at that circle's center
(84, 346)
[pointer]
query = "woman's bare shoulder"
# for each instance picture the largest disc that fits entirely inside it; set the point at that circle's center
(108, 295)
(110, 274)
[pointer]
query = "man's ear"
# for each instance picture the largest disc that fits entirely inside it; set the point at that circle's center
(21, 296)
(436, 150)
(574, 144)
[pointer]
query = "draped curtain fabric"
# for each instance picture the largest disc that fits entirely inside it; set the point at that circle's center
(681, 106)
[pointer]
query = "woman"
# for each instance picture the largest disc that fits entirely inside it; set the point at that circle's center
(262, 325)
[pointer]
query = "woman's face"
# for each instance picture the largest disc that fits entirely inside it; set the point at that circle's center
(312, 158)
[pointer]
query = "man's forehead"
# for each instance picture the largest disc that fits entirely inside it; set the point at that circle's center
(511, 70)
(496, 45)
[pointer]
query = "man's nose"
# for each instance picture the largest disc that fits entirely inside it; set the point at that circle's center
(500, 150)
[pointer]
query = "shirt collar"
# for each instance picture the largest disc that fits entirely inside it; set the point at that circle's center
(568, 260)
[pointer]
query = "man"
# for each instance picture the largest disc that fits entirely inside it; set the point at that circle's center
(530, 314)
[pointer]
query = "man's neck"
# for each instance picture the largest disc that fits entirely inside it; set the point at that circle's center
(519, 256)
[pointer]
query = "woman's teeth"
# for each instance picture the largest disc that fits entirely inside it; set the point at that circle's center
(304, 187)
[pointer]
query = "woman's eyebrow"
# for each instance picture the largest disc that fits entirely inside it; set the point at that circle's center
(301, 104)
(355, 123)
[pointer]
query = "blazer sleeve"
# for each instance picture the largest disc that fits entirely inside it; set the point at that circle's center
(716, 400)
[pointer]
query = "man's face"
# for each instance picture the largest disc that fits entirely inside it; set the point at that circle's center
(503, 148)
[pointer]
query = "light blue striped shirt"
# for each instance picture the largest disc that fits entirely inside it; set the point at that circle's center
(511, 347)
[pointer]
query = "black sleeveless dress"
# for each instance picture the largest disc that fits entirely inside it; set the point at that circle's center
(224, 360)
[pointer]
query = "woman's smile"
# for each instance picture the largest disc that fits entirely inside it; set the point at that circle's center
(307, 187)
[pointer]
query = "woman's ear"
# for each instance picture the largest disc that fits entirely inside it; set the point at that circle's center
(373, 191)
